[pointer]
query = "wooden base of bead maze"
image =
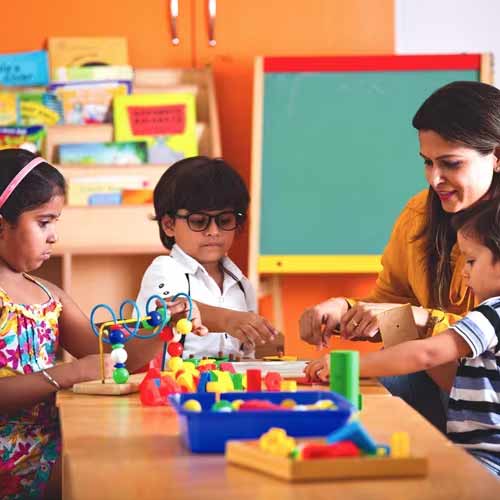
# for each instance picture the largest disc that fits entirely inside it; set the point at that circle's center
(109, 388)
(248, 454)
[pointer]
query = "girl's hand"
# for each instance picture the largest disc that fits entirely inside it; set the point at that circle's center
(319, 369)
(89, 367)
(180, 309)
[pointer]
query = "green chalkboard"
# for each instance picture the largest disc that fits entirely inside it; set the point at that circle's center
(340, 158)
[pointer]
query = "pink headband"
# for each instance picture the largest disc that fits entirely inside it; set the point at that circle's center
(19, 177)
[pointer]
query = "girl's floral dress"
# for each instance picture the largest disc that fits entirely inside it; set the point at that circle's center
(29, 438)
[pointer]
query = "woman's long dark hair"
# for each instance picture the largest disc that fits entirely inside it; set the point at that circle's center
(467, 113)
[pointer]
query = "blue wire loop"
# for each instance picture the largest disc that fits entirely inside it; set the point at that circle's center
(182, 294)
(134, 332)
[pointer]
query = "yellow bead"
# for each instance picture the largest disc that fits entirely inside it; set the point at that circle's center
(174, 364)
(237, 403)
(192, 405)
(325, 404)
(184, 326)
(288, 403)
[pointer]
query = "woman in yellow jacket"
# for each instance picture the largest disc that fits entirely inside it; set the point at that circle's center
(459, 135)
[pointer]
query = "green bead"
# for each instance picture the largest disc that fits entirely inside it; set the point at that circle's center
(146, 325)
(165, 314)
(120, 375)
(117, 346)
(222, 405)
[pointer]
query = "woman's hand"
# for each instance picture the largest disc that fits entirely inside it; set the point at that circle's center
(319, 369)
(320, 322)
(89, 368)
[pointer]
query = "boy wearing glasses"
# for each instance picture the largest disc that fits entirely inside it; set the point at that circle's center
(200, 203)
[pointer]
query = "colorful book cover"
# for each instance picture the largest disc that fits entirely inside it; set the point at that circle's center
(85, 73)
(86, 51)
(13, 137)
(9, 108)
(24, 69)
(88, 102)
(166, 121)
(39, 108)
(104, 190)
(104, 153)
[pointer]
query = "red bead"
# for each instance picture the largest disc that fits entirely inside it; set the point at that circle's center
(175, 349)
(167, 334)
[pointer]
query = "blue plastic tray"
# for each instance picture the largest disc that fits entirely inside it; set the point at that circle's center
(208, 431)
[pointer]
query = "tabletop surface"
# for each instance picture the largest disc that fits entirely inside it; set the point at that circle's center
(113, 447)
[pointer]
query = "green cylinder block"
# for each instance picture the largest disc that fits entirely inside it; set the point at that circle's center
(344, 375)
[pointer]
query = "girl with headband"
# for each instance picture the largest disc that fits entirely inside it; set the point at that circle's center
(35, 318)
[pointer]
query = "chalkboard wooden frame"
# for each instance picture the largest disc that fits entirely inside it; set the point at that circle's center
(266, 68)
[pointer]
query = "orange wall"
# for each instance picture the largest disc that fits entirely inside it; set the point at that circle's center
(275, 27)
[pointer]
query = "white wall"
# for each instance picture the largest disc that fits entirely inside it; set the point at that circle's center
(449, 26)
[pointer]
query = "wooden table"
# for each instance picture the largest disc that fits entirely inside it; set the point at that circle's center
(115, 448)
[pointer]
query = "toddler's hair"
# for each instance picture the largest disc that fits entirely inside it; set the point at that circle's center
(198, 184)
(482, 223)
(37, 188)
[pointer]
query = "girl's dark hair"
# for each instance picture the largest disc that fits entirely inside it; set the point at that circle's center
(481, 222)
(467, 113)
(37, 188)
(196, 184)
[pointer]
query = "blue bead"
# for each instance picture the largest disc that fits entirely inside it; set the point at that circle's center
(155, 318)
(116, 335)
(119, 365)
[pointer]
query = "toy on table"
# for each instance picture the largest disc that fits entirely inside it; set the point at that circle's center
(118, 331)
(347, 452)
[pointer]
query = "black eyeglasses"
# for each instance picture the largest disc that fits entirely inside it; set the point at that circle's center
(199, 221)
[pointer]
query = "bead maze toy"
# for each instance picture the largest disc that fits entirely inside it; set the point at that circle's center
(117, 332)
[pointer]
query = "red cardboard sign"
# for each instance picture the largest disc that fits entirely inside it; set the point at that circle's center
(162, 119)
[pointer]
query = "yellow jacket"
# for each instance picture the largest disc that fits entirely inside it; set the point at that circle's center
(403, 278)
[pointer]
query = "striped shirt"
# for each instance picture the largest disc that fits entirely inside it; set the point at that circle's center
(474, 405)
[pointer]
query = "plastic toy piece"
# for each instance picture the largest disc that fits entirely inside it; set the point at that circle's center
(354, 432)
(320, 450)
(117, 333)
(254, 380)
(192, 405)
(277, 442)
(344, 375)
(288, 386)
(400, 445)
(272, 381)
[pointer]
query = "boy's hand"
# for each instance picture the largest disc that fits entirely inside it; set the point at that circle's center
(249, 327)
(180, 308)
(89, 368)
(319, 369)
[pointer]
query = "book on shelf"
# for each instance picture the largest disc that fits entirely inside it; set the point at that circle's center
(24, 69)
(85, 73)
(104, 153)
(14, 137)
(39, 108)
(9, 108)
(86, 51)
(103, 189)
(88, 102)
(167, 122)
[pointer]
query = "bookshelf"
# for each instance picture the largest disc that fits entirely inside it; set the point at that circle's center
(103, 251)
